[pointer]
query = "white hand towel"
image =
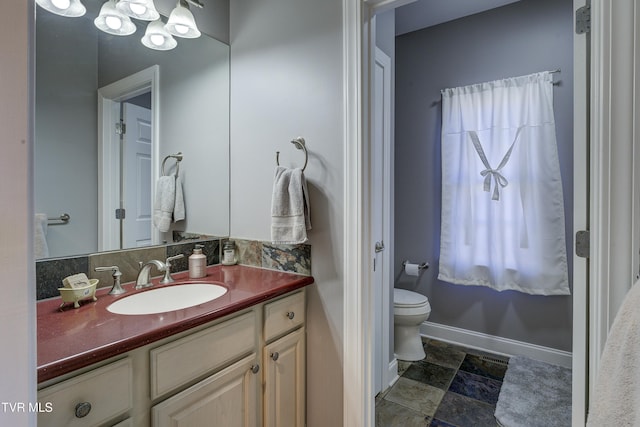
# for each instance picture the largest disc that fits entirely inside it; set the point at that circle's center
(615, 400)
(164, 202)
(178, 206)
(290, 214)
(40, 247)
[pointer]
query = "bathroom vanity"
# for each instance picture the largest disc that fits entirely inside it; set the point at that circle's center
(236, 360)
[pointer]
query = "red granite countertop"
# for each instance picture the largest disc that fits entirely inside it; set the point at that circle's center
(69, 339)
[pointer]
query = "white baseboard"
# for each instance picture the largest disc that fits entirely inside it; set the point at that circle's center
(392, 374)
(493, 344)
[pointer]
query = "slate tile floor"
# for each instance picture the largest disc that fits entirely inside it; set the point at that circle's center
(452, 387)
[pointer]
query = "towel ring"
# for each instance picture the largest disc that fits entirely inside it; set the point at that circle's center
(300, 145)
(178, 157)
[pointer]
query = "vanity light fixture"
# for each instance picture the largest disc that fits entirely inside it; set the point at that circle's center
(157, 37)
(139, 9)
(112, 21)
(70, 8)
(181, 22)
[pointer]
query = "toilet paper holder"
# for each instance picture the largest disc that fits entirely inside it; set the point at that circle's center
(421, 266)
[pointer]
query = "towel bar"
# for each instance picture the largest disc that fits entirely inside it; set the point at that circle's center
(64, 218)
(300, 145)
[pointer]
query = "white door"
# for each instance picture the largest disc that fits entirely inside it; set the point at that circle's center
(381, 220)
(136, 179)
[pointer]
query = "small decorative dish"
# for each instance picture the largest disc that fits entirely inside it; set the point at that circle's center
(75, 295)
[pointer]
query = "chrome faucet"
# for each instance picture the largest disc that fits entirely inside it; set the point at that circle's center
(167, 271)
(144, 279)
(116, 289)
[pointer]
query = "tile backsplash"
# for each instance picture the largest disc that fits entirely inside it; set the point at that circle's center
(293, 258)
(50, 272)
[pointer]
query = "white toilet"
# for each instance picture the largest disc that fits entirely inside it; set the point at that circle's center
(410, 309)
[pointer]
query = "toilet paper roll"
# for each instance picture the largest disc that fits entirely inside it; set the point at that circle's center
(412, 269)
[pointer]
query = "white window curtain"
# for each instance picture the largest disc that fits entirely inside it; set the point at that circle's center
(502, 203)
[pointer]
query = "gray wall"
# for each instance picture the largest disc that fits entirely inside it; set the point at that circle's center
(65, 133)
(518, 39)
(287, 81)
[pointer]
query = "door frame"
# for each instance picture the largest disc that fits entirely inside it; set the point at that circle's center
(581, 168)
(109, 98)
(615, 198)
(359, 407)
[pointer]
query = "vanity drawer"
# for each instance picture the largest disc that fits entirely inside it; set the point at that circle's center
(193, 356)
(108, 391)
(283, 315)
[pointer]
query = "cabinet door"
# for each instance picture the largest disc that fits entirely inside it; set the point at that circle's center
(228, 398)
(284, 377)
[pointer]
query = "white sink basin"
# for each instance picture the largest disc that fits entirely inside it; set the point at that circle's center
(170, 298)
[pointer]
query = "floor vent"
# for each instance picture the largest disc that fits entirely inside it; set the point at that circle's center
(496, 360)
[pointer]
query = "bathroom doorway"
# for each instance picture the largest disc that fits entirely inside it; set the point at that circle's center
(580, 210)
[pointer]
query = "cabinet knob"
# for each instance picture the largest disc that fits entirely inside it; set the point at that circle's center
(275, 355)
(83, 409)
(255, 368)
(290, 315)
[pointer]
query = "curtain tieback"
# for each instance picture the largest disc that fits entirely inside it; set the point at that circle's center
(500, 180)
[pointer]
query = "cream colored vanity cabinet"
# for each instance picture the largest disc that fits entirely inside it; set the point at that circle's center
(284, 362)
(246, 369)
(236, 395)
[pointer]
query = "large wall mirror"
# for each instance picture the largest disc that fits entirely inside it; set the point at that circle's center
(86, 82)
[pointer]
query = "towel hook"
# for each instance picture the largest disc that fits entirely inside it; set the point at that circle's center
(178, 157)
(300, 144)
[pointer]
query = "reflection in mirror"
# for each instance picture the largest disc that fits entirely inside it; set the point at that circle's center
(82, 170)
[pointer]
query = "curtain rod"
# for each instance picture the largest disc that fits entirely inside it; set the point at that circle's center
(557, 70)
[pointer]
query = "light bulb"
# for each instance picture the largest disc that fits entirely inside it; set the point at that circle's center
(138, 9)
(182, 29)
(113, 22)
(61, 4)
(157, 39)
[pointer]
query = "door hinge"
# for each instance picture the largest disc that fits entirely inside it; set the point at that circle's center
(583, 20)
(582, 243)
(121, 128)
(120, 213)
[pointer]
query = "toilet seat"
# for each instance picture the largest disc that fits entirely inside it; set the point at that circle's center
(408, 299)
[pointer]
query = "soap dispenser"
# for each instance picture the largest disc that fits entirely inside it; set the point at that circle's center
(197, 263)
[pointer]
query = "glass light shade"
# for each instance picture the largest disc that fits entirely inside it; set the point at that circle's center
(157, 37)
(112, 21)
(181, 22)
(139, 9)
(70, 8)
